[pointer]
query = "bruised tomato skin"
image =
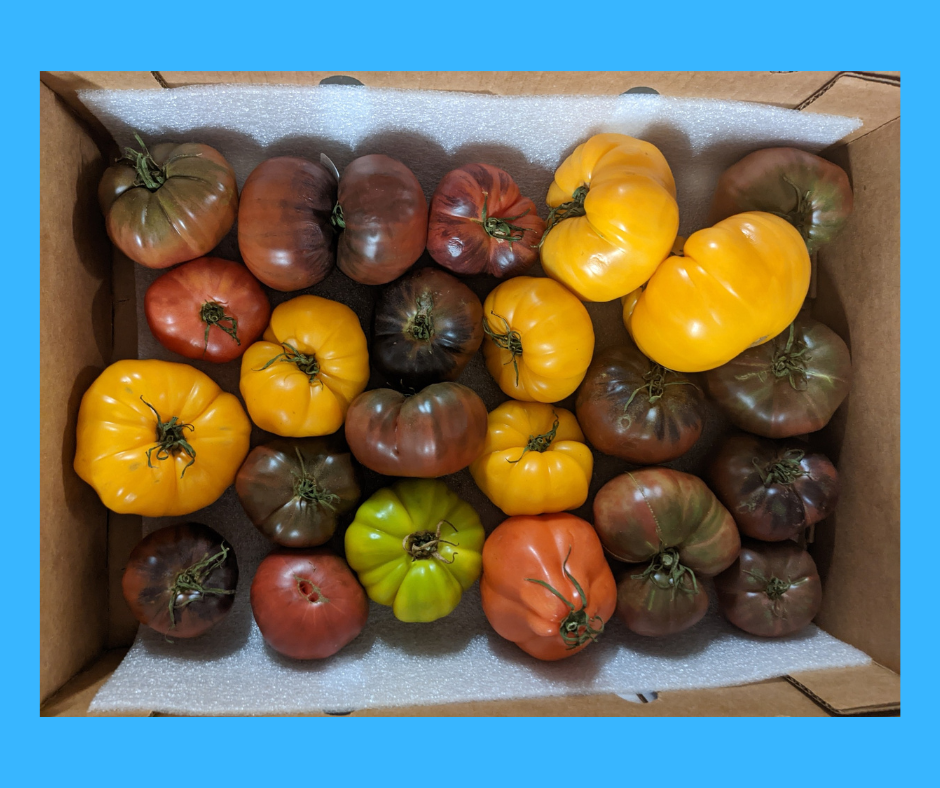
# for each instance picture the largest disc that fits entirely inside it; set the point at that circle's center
(771, 590)
(382, 218)
(480, 223)
(658, 609)
(209, 308)
(773, 490)
(307, 603)
(180, 580)
(438, 431)
(285, 234)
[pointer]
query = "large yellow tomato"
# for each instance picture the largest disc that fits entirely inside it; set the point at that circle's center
(311, 363)
(158, 439)
(614, 217)
(539, 339)
(736, 285)
(534, 460)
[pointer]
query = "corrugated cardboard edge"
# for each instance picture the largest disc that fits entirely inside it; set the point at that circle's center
(869, 689)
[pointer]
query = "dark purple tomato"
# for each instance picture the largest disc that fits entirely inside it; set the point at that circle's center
(635, 409)
(653, 601)
(295, 490)
(771, 590)
(427, 327)
(788, 386)
(180, 580)
(773, 490)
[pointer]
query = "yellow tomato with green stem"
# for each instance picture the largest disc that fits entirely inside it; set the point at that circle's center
(311, 363)
(535, 460)
(416, 547)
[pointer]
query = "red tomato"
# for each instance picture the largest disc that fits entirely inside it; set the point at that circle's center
(308, 603)
(209, 308)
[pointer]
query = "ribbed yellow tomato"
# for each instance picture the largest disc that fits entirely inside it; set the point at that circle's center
(158, 439)
(738, 284)
(534, 460)
(311, 363)
(539, 339)
(615, 217)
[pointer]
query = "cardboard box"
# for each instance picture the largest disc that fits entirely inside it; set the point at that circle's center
(84, 623)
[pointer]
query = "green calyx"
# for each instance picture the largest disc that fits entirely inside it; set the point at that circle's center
(423, 545)
(790, 360)
(509, 339)
(149, 174)
(421, 326)
(666, 572)
(775, 588)
(786, 469)
(501, 228)
(576, 628)
(213, 314)
(567, 210)
(337, 219)
(801, 215)
(170, 439)
(307, 489)
(191, 582)
(655, 387)
(305, 363)
(539, 443)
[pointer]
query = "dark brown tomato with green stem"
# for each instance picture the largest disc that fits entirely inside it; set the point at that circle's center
(180, 580)
(773, 490)
(209, 308)
(168, 204)
(813, 194)
(771, 590)
(480, 223)
(788, 386)
(381, 216)
(427, 327)
(437, 431)
(633, 408)
(296, 490)
(655, 602)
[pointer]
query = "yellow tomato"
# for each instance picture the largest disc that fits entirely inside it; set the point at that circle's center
(311, 363)
(539, 339)
(158, 439)
(737, 285)
(534, 460)
(615, 217)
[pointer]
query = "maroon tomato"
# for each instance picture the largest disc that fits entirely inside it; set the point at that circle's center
(207, 308)
(635, 409)
(655, 602)
(382, 217)
(773, 490)
(771, 590)
(439, 430)
(284, 230)
(307, 603)
(788, 386)
(180, 580)
(480, 224)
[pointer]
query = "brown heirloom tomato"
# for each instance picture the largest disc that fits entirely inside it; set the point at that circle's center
(771, 590)
(307, 603)
(672, 528)
(168, 205)
(773, 490)
(789, 386)
(382, 217)
(480, 224)
(427, 327)
(813, 194)
(180, 580)
(284, 229)
(635, 409)
(207, 308)
(439, 430)
(294, 491)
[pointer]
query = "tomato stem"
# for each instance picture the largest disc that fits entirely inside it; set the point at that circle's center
(666, 572)
(149, 173)
(576, 628)
(422, 545)
(539, 443)
(775, 588)
(306, 487)
(421, 326)
(337, 219)
(788, 361)
(785, 469)
(190, 583)
(170, 440)
(305, 363)
(655, 387)
(501, 228)
(567, 210)
(213, 314)
(509, 339)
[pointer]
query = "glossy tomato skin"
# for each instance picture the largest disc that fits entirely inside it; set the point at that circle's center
(181, 218)
(773, 490)
(480, 224)
(307, 603)
(813, 194)
(771, 590)
(296, 490)
(428, 326)
(438, 431)
(655, 608)
(632, 408)
(285, 234)
(209, 308)
(789, 386)
(382, 216)
(151, 581)
(563, 552)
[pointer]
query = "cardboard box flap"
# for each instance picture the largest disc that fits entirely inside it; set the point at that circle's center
(874, 98)
(850, 691)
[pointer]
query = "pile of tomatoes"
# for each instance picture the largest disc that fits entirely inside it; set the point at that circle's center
(716, 315)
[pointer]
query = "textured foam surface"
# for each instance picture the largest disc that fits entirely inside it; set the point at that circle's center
(230, 670)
